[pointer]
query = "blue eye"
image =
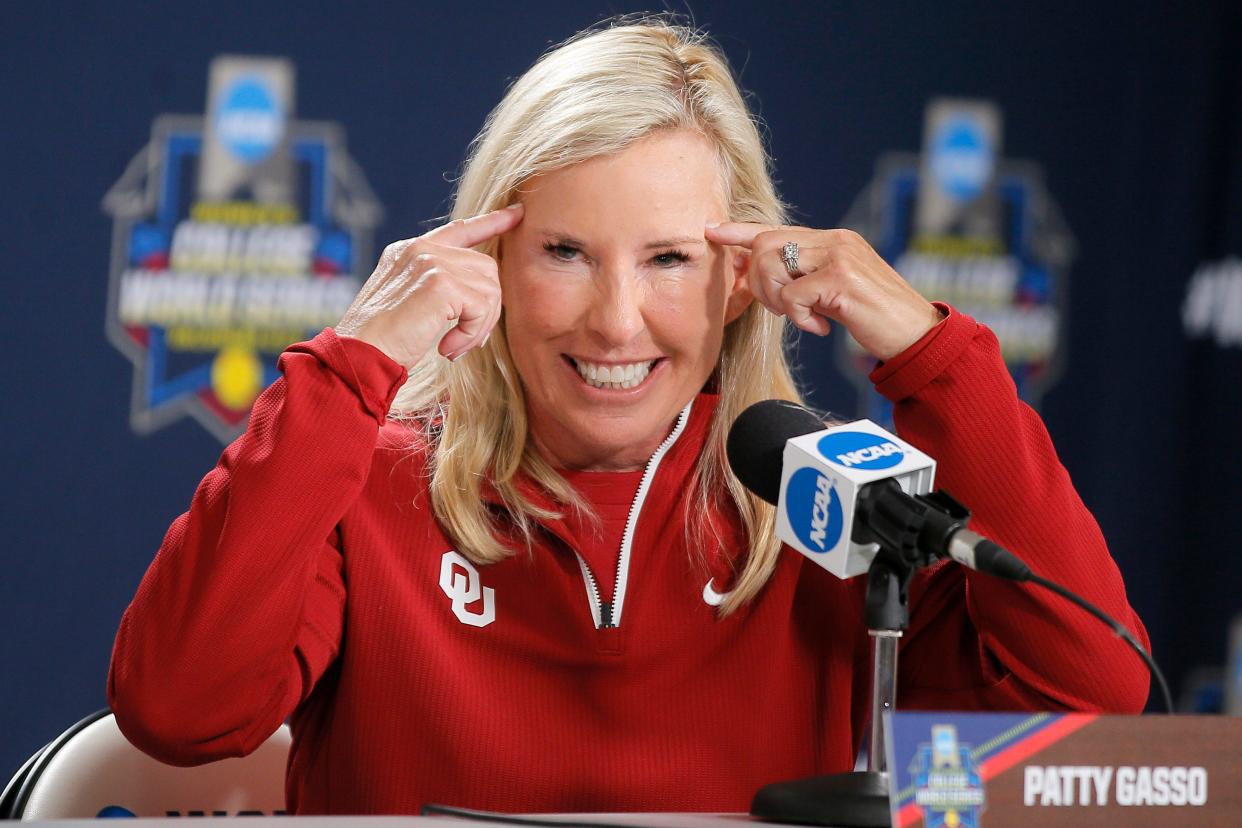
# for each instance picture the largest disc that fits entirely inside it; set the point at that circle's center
(670, 259)
(564, 252)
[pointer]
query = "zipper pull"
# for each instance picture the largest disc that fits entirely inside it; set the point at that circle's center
(605, 615)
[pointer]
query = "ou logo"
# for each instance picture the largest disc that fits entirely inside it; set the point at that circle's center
(467, 588)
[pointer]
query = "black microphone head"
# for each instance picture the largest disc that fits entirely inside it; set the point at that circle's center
(756, 443)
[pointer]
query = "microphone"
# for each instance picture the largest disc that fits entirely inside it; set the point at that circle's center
(845, 492)
(850, 498)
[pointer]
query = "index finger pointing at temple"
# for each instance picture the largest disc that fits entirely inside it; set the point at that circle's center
(738, 233)
(477, 229)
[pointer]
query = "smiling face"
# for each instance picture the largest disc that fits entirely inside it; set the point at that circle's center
(615, 304)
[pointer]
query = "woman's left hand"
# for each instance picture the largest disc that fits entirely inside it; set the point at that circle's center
(839, 277)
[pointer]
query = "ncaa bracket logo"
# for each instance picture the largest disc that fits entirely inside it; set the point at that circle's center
(813, 509)
(249, 121)
(961, 157)
(860, 450)
(235, 234)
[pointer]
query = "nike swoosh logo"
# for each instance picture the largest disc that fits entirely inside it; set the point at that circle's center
(713, 598)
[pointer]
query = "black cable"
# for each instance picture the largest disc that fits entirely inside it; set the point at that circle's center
(432, 809)
(1116, 627)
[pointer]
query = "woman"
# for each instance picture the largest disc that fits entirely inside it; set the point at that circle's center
(522, 578)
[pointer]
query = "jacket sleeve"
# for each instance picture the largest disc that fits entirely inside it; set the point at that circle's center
(241, 610)
(976, 641)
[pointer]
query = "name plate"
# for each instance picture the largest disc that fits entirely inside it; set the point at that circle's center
(964, 770)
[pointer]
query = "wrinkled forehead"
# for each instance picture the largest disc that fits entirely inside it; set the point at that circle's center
(666, 183)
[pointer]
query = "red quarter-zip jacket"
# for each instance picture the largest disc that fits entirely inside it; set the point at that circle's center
(309, 580)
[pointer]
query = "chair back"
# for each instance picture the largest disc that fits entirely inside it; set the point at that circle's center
(9, 798)
(92, 770)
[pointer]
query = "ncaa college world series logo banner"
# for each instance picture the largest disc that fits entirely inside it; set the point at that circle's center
(235, 234)
(965, 226)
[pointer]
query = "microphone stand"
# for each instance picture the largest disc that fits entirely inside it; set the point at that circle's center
(904, 531)
(856, 798)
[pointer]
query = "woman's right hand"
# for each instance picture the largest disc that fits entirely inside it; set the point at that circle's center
(422, 285)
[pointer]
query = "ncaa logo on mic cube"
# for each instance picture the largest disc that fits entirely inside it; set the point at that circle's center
(811, 493)
(860, 450)
(821, 476)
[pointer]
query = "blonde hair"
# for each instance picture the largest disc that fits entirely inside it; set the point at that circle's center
(595, 95)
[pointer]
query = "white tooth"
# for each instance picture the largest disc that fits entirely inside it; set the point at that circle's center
(614, 376)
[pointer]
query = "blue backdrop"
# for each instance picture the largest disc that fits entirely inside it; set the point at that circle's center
(1134, 112)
